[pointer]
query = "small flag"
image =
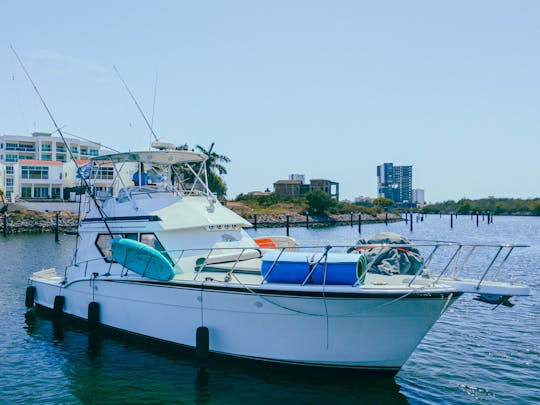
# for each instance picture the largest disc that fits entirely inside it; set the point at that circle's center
(85, 170)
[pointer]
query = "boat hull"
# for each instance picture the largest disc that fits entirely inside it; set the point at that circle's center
(340, 331)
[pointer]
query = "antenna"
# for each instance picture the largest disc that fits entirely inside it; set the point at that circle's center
(137, 104)
(154, 103)
(87, 186)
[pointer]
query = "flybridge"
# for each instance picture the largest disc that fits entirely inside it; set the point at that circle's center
(177, 171)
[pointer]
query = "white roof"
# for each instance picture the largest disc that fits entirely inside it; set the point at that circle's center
(154, 157)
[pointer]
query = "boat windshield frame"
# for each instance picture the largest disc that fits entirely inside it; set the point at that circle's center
(162, 163)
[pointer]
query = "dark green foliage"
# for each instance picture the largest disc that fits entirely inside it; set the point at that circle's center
(319, 202)
(262, 200)
(498, 206)
(383, 202)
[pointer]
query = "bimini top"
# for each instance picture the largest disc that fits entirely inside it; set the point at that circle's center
(158, 157)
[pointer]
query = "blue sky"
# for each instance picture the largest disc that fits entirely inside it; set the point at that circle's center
(327, 89)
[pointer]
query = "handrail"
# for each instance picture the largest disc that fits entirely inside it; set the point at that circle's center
(242, 254)
(489, 267)
(427, 262)
(449, 262)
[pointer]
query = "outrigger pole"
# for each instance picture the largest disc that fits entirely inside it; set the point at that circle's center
(137, 104)
(87, 186)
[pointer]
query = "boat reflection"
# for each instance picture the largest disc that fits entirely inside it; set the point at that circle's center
(107, 367)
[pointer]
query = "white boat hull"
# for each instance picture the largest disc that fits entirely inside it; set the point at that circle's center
(374, 332)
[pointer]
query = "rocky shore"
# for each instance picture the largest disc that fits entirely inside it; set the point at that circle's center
(38, 222)
(295, 219)
(27, 221)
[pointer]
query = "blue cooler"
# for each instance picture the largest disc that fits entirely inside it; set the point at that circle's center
(341, 268)
(292, 267)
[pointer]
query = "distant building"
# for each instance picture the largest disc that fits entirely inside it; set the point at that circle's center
(362, 199)
(44, 146)
(39, 179)
(301, 177)
(296, 187)
(418, 196)
(290, 188)
(329, 187)
(32, 166)
(394, 182)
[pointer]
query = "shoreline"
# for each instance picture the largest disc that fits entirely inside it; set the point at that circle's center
(27, 221)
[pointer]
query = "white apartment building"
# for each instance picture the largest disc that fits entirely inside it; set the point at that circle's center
(38, 179)
(32, 166)
(2, 177)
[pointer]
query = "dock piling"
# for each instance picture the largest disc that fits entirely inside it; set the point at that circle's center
(56, 227)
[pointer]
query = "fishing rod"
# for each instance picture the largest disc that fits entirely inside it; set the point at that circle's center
(90, 140)
(87, 186)
(85, 139)
(136, 103)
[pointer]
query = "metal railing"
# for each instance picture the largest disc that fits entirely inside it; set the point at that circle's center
(227, 259)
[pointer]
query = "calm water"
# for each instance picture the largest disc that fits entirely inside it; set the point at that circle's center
(472, 355)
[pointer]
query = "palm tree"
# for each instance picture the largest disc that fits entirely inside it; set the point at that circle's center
(215, 167)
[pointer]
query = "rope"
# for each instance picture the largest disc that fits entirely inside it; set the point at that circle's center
(382, 305)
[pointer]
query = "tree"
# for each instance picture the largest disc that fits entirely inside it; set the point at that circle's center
(215, 168)
(383, 202)
(535, 208)
(319, 202)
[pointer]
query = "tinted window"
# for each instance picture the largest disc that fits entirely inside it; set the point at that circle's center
(103, 243)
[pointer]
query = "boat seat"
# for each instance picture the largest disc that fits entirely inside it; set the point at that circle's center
(224, 262)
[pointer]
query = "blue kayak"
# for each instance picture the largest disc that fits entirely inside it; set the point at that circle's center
(142, 259)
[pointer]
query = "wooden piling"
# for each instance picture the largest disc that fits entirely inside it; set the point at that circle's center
(451, 221)
(359, 223)
(255, 221)
(477, 219)
(56, 227)
(352, 219)
(307, 220)
(411, 222)
(287, 224)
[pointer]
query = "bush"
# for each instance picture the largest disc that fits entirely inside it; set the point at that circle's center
(319, 202)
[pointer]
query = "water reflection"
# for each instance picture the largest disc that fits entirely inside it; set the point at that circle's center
(201, 387)
(106, 366)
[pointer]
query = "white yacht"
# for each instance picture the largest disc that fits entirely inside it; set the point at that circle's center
(164, 259)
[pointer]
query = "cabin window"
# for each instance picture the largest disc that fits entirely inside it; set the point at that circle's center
(104, 242)
(150, 239)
